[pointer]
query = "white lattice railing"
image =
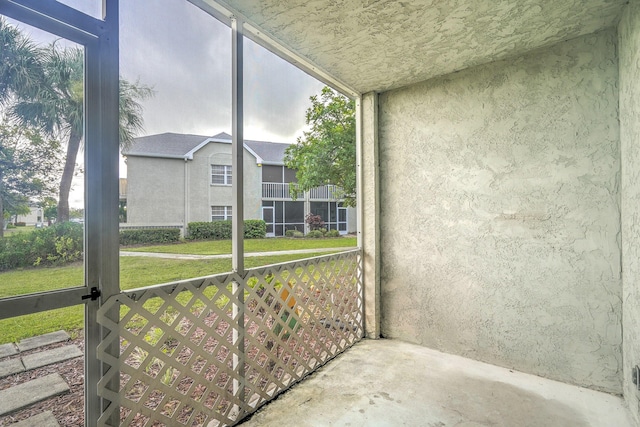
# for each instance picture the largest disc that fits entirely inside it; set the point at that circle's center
(187, 355)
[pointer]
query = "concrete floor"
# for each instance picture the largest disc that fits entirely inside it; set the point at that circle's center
(392, 383)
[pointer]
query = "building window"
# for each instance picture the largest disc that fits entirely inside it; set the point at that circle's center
(221, 174)
(220, 213)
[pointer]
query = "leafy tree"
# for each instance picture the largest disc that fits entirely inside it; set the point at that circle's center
(326, 154)
(14, 205)
(54, 103)
(49, 209)
(27, 161)
(77, 213)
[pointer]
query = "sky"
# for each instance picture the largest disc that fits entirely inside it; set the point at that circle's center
(184, 55)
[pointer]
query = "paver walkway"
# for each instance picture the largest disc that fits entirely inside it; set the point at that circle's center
(42, 340)
(39, 359)
(44, 358)
(25, 394)
(44, 419)
(8, 350)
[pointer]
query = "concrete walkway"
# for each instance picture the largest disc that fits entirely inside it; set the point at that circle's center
(44, 419)
(221, 256)
(25, 394)
(393, 383)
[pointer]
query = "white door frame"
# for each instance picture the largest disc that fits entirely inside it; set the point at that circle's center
(346, 219)
(101, 257)
(273, 220)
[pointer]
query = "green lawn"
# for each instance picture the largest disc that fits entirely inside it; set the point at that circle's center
(26, 229)
(135, 272)
(217, 247)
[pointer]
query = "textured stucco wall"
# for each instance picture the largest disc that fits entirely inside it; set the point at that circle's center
(629, 48)
(155, 190)
(500, 213)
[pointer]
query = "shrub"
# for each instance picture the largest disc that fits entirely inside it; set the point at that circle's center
(293, 232)
(9, 226)
(315, 222)
(255, 229)
(215, 230)
(332, 233)
(20, 224)
(58, 244)
(218, 230)
(149, 235)
(314, 234)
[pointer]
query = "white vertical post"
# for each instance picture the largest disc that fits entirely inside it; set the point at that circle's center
(369, 208)
(359, 167)
(185, 198)
(237, 237)
(101, 200)
(307, 210)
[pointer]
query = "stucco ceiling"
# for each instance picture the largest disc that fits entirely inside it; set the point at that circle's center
(384, 44)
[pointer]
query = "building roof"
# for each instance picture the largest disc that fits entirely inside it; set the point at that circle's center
(270, 152)
(183, 146)
(167, 145)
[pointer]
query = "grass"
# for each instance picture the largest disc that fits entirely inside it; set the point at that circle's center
(135, 272)
(25, 229)
(217, 247)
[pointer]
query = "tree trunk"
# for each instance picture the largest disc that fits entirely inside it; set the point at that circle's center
(73, 146)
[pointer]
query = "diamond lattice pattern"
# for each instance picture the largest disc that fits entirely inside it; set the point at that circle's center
(208, 351)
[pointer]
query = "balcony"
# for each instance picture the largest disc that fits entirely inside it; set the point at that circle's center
(394, 383)
(211, 350)
(282, 191)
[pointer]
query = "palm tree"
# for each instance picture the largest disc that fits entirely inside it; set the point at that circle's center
(20, 70)
(20, 63)
(56, 108)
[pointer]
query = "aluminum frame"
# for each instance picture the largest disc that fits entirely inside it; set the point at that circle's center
(100, 41)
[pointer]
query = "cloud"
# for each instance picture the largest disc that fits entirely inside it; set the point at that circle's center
(185, 54)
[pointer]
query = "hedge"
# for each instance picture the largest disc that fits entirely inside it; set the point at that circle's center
(255, 229)
(221, 230)
(149, 235)
(55, 245)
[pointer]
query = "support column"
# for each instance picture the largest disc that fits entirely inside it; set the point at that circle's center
(369, 211)
(102, 246)
(237, 232)
(237, 142)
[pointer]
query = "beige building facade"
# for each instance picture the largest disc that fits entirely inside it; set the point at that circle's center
(175, 179)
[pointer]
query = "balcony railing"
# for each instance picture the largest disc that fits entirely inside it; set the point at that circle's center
(277, 190)
(209, 351)
(326, 192)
